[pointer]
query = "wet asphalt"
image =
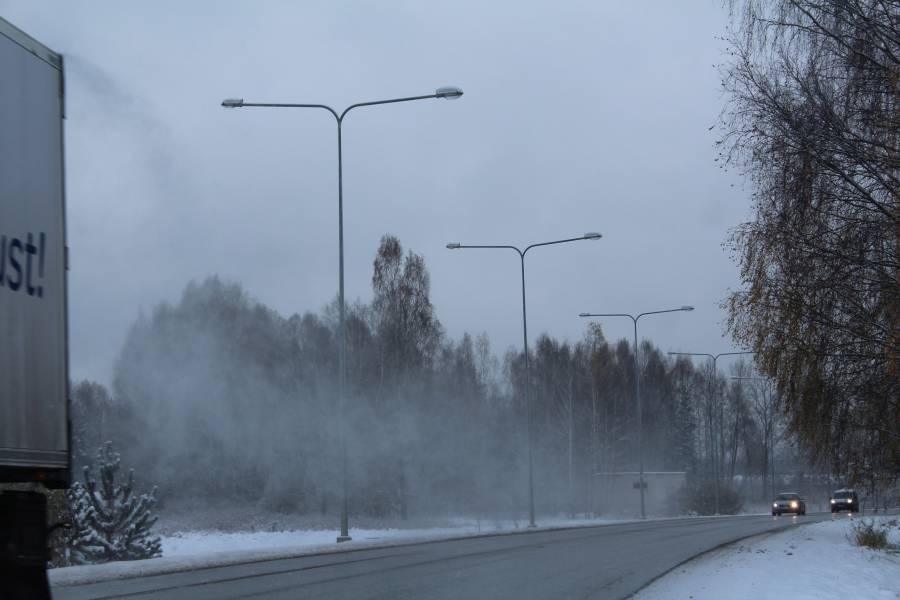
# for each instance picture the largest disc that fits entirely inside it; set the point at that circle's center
(606, 561)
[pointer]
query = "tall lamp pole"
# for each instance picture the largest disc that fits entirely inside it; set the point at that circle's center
(522, 253)
(716, 441)
(448, 93)
(637, 386)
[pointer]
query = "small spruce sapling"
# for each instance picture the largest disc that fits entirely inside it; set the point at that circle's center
(110, 521)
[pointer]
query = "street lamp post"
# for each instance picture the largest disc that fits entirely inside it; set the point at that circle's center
(448, 93)
(594, 428)
(521, 253)
(637, 386)
(716, 441)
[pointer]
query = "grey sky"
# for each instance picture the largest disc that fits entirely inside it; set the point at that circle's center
(577, 116)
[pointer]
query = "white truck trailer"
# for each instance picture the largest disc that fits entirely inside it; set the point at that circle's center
(34, 415)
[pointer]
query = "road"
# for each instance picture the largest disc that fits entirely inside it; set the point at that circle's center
(607, 561)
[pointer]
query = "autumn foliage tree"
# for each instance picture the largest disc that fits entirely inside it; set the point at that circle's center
(813, 121)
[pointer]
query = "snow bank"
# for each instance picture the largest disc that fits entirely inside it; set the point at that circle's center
(813, 562)
(204, 549)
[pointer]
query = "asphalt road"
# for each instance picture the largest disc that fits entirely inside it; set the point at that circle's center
(608, 561)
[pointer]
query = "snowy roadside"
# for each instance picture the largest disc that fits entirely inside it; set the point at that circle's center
(815, 561)
(203, 549)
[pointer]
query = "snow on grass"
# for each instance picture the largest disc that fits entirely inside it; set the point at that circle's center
(197, 543)
(185, 551)
(817, 561)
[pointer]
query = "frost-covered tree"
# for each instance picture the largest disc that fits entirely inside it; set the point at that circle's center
(110, 521)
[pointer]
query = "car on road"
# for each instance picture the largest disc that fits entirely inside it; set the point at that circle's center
(844, 500)
(788, 502)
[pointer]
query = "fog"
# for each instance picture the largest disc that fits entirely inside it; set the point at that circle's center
(222, 402)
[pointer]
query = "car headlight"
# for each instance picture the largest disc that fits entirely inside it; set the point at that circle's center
(793, 504)
(832, 500)
(774, 505)
(850, 500)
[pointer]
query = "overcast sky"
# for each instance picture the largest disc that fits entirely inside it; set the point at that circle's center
(577, 116)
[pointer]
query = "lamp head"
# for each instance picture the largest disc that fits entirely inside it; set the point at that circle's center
(449, 92)
(453, 245)
(233, 102)
(584, 314)
(686, 307)
(592, 235)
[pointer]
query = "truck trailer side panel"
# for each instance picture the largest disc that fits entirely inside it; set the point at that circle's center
(34, 432)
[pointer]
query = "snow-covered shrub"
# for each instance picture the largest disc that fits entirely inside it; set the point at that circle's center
(110, 521)
(868, 534)
(698, 497)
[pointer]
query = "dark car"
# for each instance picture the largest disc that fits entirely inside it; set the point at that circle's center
(844, 500)
(788, 502)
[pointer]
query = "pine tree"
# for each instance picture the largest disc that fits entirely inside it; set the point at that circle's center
(111, 522)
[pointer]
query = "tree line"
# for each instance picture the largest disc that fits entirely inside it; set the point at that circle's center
(221, 398)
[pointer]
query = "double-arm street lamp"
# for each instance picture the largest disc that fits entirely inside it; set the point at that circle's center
(522, 253)
(716, 441)
(637, 386)
(448, 93)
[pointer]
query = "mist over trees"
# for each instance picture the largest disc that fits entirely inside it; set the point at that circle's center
(222, 399)
(813, 121)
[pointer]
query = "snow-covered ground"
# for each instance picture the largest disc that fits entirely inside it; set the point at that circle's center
(197, 543)
(199, 549)
(817, 561)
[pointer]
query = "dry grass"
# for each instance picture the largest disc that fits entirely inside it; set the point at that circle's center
(868, 534)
